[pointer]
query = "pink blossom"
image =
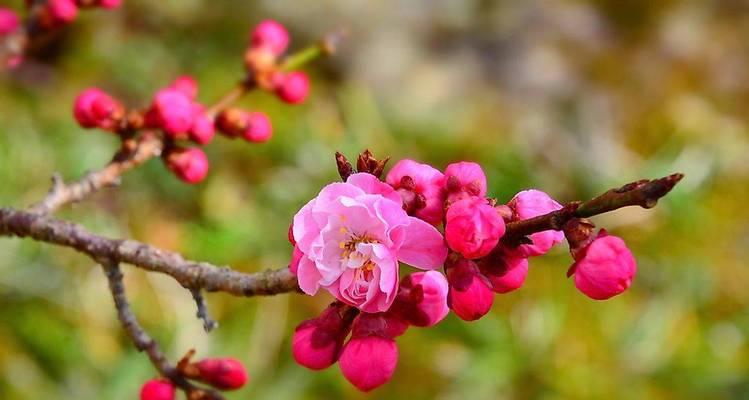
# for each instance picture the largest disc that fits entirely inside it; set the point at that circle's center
(470, 295)
(353, 234)
(222, 373)
(422, 298)
(189, 165)
(202, 130)
(505, 272)
(258, 128)
(532, 203)
(464, 179)
(186, 85)
(369, 358)
(293, 87)
(605, 268)
(157, 389)
(317, 342)
(422, 188)
(172, 111)
(473, 227)
(8, 21)
(270, 35)
(61, 12)
(94, 108)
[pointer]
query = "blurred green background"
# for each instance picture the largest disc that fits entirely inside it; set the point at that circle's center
(572, 97)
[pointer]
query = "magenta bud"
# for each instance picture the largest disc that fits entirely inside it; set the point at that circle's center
(505, 273)
(529, 204)
(94, 108)
(369, 358)
(157, 389)
(186, 85)
(172, 111)
(9, 21)
(222, 373)
(412, 179)
(473, 227)
(422, 298)
(189, 165)
(202, 129)
(605, 268)
(258, 127)
(293, 87)
(270, 35)
(470, 295)
(317, 342)
(109, 4)
(60, 12)
(464, 179)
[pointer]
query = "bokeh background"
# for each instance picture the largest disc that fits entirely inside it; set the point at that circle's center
(572, 97)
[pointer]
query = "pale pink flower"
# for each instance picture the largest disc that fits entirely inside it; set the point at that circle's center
(422, 298)
(473, 227)
(605, 268)
(352, 236)
(422, 188)
(470, 295)
(464, 179)
(526, 205)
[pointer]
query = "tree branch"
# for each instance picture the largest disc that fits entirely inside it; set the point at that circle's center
(644, 193)
(190, 274)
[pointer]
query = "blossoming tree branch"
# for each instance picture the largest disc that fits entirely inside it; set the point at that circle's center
(349, 241)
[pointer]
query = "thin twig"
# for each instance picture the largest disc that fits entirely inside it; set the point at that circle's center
(209, 323)
(142, 340)
(644, 193)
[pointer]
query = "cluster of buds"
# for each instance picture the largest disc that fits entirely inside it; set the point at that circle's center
(350, 238)
(176, 113)
(268, 42)
(220, 373)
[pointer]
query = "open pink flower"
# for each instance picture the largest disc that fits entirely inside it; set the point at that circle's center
(532, 203)
(605, 268)
(352, 236)
(422, 188)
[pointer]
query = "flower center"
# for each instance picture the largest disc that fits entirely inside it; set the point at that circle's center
(350, 253)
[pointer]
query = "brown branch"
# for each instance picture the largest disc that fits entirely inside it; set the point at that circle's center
(190, 274)
(142, 340)
(134, 152)
(644, 193)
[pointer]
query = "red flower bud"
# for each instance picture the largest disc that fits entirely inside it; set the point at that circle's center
(222, 373)
(293, 87)
(270, 35)
(317, 342)
(470, 295)
(605, 268)
(189, 165)
(157, 389)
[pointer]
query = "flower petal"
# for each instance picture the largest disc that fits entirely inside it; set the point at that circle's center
(424, 247)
